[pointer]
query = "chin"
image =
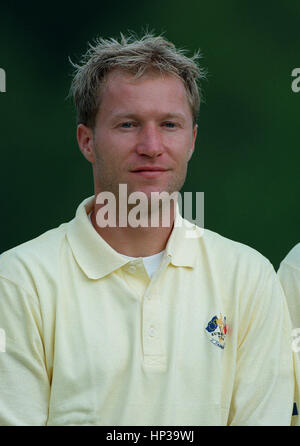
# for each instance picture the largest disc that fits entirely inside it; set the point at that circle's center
(152, 190)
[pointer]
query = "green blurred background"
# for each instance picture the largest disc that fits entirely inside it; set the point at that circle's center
(247, 153)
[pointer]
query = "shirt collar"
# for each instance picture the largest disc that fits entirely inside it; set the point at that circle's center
(97, 258)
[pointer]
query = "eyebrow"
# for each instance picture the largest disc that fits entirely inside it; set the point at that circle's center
(135, 116)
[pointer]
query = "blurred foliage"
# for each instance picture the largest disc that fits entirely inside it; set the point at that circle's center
(247, 156)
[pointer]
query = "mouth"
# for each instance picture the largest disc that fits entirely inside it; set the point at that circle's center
(149, 171)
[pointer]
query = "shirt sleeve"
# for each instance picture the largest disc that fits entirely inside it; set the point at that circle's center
(264, 380)
(24, 382)
(290, 281)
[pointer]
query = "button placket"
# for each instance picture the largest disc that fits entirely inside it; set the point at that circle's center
(137, 281)
(151, 327)
(153, 344)
(132, 269)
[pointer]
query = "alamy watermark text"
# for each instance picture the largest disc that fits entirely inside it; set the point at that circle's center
(2, 81)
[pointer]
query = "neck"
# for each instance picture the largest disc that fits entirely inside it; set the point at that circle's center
(142, 241)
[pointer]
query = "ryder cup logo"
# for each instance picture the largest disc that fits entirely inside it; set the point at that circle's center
(216, 330)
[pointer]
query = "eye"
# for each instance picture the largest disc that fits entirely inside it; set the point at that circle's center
(127, 125)
(170, 125)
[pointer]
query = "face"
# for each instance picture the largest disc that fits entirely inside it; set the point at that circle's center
(143, 135)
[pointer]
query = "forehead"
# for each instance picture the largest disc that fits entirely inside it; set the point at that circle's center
(122, 90)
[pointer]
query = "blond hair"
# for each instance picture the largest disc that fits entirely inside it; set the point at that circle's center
(133, 55)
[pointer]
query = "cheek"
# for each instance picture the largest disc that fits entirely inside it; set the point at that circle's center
(117, 146)
(180, 148)
(106, 146)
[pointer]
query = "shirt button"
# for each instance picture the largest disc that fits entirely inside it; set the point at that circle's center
(132, 269)
(151, 332)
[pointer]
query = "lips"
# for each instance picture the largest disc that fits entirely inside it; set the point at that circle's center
(150, 168)
(149, 171)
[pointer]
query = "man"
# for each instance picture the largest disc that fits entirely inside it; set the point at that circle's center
(289, 275)
(125, 325)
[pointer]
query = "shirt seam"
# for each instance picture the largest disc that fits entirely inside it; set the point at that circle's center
(19, 286)
(34, 298)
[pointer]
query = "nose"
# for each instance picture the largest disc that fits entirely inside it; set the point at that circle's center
(149, 141)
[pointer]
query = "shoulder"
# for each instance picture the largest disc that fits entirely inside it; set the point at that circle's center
(293, 258)
(241, 275)
(231, 252)
(231, 265)
(24, 262)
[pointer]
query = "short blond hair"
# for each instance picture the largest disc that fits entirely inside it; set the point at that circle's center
(134, 55)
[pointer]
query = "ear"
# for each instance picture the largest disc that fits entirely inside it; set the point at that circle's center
(191, 151)
(86, 142)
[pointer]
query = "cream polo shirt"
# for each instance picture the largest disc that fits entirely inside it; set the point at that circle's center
(91, 340)
(151, 263)
(289, 275)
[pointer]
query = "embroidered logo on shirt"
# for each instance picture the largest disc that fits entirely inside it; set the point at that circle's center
(216, 330)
